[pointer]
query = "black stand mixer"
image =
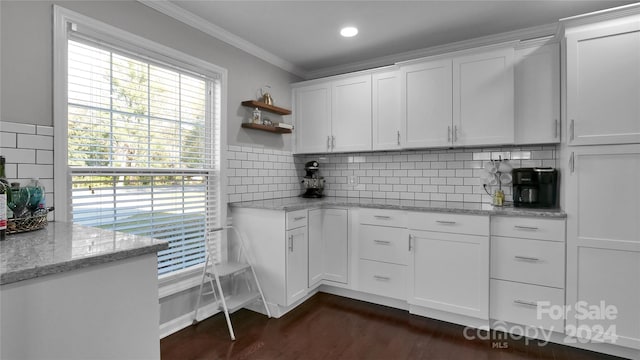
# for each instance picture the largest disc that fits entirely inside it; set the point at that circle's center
(313, 184)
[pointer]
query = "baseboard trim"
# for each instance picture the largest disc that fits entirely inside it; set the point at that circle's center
(186, 320)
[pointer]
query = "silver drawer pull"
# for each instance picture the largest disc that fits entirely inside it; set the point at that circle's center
(381, 278)
(527, 258)
(520, 227)
(525, 303)
(445, 222)
(382, 242)
(299, 218)
(382, 217)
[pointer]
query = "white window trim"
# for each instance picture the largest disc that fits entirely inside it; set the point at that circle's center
(62, 19)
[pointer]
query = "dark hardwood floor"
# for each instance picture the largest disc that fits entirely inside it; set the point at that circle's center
(332, 327)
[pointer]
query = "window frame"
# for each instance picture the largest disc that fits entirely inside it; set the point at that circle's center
(65, 20)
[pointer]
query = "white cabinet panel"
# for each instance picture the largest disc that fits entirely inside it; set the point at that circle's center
(603, 236)
(526, 304)
(450, 272)
(450, 223)
(383, 217)
(528, 228)
(611, 277)
(312, 111)
(427, 104)
(328, 246)
(351, 114)
(386, 111)
(603, 84)
(483, 100)
(335, 245)
(316, 252)
(385, 244)
(537, 94)
(296, 219)
(530, 261)
(384, 279)
(297, 264)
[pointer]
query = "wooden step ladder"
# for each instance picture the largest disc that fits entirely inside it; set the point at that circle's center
(213, 273)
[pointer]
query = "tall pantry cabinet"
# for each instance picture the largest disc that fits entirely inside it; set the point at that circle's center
(602, 188)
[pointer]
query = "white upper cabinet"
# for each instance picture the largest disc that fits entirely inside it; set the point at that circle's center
(603, 83)
(537, 94)
(386, 111)
(464, 101)
(351, 114)
(426, 90)
(312, 110)
(333, 115)
(483, 99)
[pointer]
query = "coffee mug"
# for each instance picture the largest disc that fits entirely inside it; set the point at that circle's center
(505, 178)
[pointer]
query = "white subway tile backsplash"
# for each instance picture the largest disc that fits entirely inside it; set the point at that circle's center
(8, 139)
(17, 128)
(19, 156)
(440, 175)
(28, 141)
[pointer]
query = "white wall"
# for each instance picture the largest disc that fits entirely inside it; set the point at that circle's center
(26, 61)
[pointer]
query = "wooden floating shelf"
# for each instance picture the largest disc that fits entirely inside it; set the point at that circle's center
(266, 107)
(268, 128)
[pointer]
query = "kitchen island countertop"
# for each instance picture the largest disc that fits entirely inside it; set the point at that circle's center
(62, 247)
(299, 203)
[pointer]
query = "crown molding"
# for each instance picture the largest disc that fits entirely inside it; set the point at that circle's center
(176, 12)
(602, 15)
(548, 31)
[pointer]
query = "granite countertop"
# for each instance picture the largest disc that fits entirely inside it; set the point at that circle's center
(62, 247)
(298, 203)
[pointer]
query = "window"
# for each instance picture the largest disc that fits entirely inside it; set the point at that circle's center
(143, 145)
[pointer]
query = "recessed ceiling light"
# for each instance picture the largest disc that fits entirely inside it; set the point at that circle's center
(349, 31)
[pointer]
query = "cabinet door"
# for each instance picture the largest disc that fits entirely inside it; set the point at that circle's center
(603, 85)
(603, 238)
(450, 272)
(351, 114)
(537, 94)
(335, 245)
(426, 95)
(483, 99)
(312, 111)
(297, 264)
(316, 251)
(386, 111)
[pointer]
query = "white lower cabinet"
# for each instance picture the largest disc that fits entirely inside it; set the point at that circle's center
(297, 263)
(449, 269)
(383, 251)
(527, 271)
(526, 304)
(278, 246)
(380, 278)
(328, 246)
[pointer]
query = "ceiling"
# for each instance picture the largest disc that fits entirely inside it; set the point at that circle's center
(303, 36)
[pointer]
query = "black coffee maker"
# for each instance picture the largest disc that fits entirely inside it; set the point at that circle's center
(535, 187)
(312, 182)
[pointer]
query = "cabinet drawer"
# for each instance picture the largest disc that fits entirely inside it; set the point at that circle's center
(518, 303)
(383, 279)
(296, 219)
(528, 228)
(531, 261)
(383, 243)
(383, 217)
(449, 223)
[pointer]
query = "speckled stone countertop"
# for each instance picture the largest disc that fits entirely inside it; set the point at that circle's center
(298, 203)
(62, 247)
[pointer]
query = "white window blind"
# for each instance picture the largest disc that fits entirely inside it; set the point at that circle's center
(144, 149)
